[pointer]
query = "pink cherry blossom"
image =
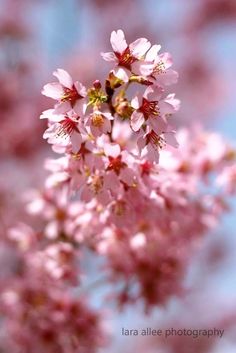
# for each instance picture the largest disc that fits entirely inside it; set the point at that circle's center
(160, 73)
(125, 55)
(151, 143)
(150, 108)
(99, 123)
(140, 215)
(63, 129)
(69, 94)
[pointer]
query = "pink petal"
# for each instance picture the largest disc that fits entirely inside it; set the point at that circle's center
(76, 140)
(81, 89)
(136, 120)
(62, 108)
(139, 47)
(136, 102)
(51, 116)
(152, 53)
(52, 230)
(63, 77)
(108, 116)
(127, 175)
(141, 143)
(111, 181)
(49, 132)
(80, 107)
(153, 93)
(153, 154)
(121, 73)
(157, 124)
(167, 60)
(106, 126)
(104, 197)
(112, 150)
(166, 108)
(55, 179)
(173, 101)
(86, 194)
(142, 68)
(95, 131)
(171, 139)
(110, 56)
(53, 90)
(118, 41)
(170, 77)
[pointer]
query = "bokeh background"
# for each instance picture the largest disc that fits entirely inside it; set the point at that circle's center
(38, 36)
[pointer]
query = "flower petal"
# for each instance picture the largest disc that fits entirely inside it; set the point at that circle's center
(139, 47)
(136, 102)
(62, 108)
(81, 89)
(152, 53)
(76, 140)
(153, 93)
(142, 68)
(53, 90)
(80, 107)
(63, 77)
(171, 139)
(127, 175)
(112, 149)
(118, 41)
(136, 120)
(121, 73)
(167, 78)
(109, 56)
(51, 116)
(167, 60)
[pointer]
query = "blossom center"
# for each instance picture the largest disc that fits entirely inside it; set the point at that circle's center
(159, 68)
(116, 164)
(70, 95)
(155, 140)
(119, 208)
(146, 167)
(66, 128)
(97, 120)
(96, 184)
(125, 58)
(149, 108)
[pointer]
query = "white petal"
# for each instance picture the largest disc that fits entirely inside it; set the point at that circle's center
(109, 56)
(112, 149)
(53, 90)
(152, 53)
(76, 140)
(136, 121)
(118, 41)
(62, 108)
(121, 73)
(63, 77)
(139, 47)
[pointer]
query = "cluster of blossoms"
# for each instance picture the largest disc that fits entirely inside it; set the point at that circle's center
(81, 116)
(121, 190)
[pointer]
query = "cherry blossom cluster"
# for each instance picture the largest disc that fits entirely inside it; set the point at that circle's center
(55, 318)
(38, 298)
(82, 115)
(120, 190)
(156, 222)
(120, 186)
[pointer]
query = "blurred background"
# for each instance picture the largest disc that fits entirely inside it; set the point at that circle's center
(38, 36)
